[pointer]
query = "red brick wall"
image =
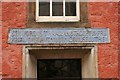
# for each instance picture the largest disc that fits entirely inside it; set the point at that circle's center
(0, 41)
(119, 34)
(105, 15)
(101, 15)
(14, 16)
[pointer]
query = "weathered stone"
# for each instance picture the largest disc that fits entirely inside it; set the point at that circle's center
(59, 35)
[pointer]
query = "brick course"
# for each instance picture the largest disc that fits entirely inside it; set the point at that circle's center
(119, 36)
(0, 41)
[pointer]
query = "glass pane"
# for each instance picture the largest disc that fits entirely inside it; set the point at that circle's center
(44, 8)
(59, 69)
(70, 8)
(57, 8)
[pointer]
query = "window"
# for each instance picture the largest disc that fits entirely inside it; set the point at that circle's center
(57, 10)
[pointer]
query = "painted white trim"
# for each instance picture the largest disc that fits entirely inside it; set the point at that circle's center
(64, 8)
(37, 9)
(58, 18)
(78, 9)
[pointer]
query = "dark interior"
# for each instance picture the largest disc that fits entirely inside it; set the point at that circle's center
(59, 69)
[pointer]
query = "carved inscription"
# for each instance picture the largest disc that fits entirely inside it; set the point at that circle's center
(58, 35)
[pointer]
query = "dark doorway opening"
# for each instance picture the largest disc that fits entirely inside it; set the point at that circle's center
(59, 69)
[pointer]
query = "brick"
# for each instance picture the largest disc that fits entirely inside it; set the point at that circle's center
(14, 16)
(103, 15)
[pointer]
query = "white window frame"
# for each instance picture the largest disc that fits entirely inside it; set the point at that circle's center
(58, 18)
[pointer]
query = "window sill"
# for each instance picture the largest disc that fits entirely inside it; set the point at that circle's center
(57, 19)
